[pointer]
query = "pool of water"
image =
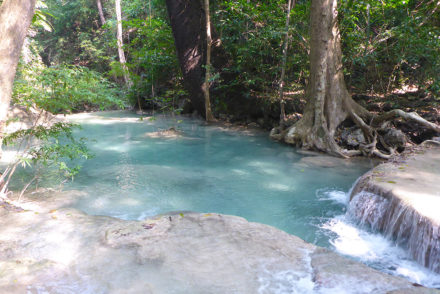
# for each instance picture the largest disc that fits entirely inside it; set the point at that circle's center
(137, 173)
(206, 169)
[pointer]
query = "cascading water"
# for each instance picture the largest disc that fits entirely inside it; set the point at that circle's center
(400, 223)
(356, 234)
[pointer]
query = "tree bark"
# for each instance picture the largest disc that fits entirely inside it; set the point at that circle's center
(206, 84)
(15, 18)
(327, 95)
(187, 23)
(101, 12)
(122, 59)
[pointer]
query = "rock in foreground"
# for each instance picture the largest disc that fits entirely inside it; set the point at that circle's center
(65, 251)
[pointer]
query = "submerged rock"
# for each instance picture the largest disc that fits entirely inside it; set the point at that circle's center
(66, 251)
(169, 133)
(323, 161)
(402, 199)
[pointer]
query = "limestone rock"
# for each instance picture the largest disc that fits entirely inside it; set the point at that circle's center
(353, 137)
(66, 251)
(276, 134)
(402, 199)
(338, 274)
(395, 138)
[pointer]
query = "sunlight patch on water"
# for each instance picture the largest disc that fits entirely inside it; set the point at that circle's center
(240, 172)
(278, 187)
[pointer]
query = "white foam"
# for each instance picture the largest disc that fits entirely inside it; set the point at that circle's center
(338, 196)
(375, 250)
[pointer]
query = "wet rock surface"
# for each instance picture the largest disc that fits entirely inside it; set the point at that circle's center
(402, 199)
(62, 250)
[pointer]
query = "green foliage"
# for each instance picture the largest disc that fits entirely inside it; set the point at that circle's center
(77, 37)
(55, 147)
(388, 44)
(151, 58)
(64, 89)
(40, 19)
(253, 34)
(50, 149)
(168, 101)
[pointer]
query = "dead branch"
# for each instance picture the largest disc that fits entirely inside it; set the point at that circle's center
(409, 116)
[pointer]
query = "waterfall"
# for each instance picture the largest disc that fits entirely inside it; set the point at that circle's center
(401, 223)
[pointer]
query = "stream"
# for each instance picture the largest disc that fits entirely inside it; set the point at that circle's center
(138, 173)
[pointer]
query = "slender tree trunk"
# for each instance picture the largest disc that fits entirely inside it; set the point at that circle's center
(100, 11)
(246, 34)
(206, 85)
(283, 65)
(15, 18)
(152, 69)
(122, 59)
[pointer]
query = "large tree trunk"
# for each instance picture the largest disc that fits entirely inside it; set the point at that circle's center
(15, 18)
(188, 23)
(327, 94)
(329, 102)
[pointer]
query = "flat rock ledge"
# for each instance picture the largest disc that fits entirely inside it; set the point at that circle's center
(61, 250)
(402, 200)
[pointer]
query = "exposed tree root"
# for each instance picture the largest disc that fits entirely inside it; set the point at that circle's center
(307, 136)
(409, 116)
(431, 142)
(381, 122)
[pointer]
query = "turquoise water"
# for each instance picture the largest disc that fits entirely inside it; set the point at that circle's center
(207, 169)
(136, 174)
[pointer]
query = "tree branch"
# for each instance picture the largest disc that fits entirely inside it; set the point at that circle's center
(410, 116)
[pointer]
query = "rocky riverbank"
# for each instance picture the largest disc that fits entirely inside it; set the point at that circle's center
(49, 249)
(401, 198)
